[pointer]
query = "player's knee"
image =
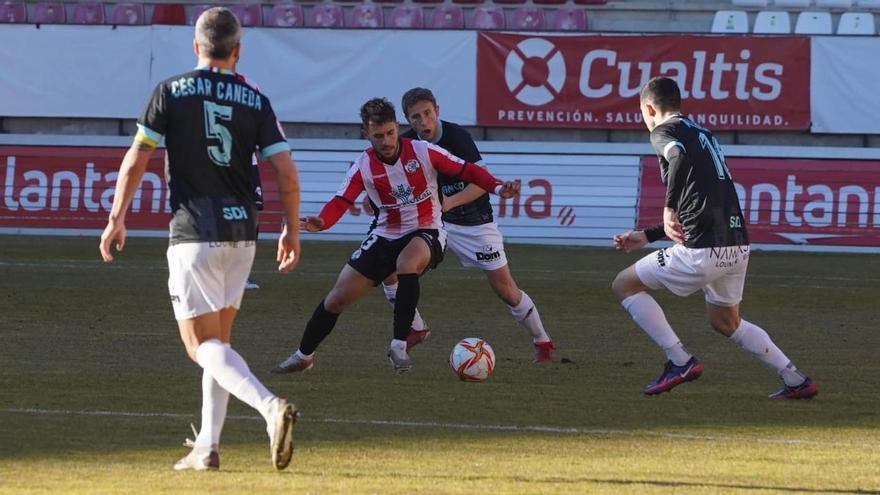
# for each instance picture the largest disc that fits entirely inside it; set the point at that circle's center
(191, 352)
(620, 286)
(724, 324)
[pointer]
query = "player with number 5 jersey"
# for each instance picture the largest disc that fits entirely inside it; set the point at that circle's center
(702, 216)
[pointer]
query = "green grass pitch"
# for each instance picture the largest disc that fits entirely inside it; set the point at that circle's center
(96, 392)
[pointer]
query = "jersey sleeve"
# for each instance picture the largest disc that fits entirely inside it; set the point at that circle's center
(271, 138)
(352, 186)
(673, 159)
(455, 167)
(153, 122)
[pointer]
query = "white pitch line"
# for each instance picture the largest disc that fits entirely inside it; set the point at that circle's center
(461, 426)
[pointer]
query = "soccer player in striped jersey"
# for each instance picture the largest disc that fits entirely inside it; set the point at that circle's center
(710, 252)
(399, 176)
(470, 226)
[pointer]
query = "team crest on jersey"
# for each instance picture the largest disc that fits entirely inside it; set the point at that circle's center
(411, 166)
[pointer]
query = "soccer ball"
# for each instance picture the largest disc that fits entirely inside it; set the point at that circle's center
(472, 359)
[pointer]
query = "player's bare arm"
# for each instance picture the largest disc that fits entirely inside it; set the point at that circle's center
(630, 241)
(509, 189)
(671, 226)
(288, 254)
(311, 224)
(131, 171)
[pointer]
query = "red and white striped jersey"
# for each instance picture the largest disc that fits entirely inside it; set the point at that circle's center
(406, 192)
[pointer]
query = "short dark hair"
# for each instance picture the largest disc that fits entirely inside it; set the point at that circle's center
(378, 111)
(414, 96)
(218, 32)
(663, 93)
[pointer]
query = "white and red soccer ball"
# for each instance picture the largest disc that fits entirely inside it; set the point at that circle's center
(472, 359)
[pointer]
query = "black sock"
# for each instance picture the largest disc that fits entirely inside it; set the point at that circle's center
(317, 329)
(405, 306)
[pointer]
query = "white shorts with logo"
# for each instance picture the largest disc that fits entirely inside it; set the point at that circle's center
(477, 246)
(205, 277)
(720, 272)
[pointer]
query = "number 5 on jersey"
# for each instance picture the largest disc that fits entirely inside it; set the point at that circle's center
(214, 113)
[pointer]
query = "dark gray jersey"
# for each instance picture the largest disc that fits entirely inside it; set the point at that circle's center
(212, 121)
(698, 184)
(456, 140)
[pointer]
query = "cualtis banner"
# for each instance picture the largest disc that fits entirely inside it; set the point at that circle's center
(727, 82)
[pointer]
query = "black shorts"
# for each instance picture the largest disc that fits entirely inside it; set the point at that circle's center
(376, 257)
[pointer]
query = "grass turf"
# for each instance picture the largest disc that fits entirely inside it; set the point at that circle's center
(97, 392)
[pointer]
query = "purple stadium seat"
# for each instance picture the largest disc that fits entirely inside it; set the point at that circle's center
(428, 1)
(528, 19)
(569, 19)
(468, 2)
(488, 18)
(509, 2)
(591, 2)
(250, 14)
(168, 13)
(406, 16)
(49, 13)
(367, 16)
(13, 12)
(326, 16)
(286, 15)
(127, 14)
(549, 2)
(88, 13)
(198, 10)
(387, 1)
(447, 17)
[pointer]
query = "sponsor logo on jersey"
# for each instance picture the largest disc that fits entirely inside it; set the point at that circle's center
(234, 213)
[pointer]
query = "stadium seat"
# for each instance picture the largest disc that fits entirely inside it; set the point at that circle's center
(549, 2)
(468, 2)
(488, 18)
(286, 15)
(834, 4)
(856, 23)
(127, 14)
(168, 13)
(428, 1)
(198, 10)
(730, 21)
(813, 23)
(49, 13)
(509, 2)
(591, 2)
(569, 19)
(447, 17)
(367, 16)
(387, 1)
(407, 16)
(772, 22)
(325, 16)
(87, 13)
(528, 19)
(13, 12)
(792, 4)
(250, 14)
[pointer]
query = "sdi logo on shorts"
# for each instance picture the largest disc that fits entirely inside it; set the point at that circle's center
(234, 213)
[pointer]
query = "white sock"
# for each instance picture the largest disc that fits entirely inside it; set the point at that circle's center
(526, 314)
(649, 316)
(214, 402)
(398, 344)
(231, 371)
(391, 294)
(754, 340)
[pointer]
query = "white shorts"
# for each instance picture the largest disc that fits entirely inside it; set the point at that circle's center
(719, 272)
(204, 277)
(477, 246)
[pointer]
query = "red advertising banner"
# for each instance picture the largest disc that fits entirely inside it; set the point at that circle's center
(792, 201)
(727, 82)
(67, 187)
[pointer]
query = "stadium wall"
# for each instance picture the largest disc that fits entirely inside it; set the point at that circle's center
(793, 198)
(497, 80)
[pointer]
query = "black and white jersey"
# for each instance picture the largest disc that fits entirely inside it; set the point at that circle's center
(213, 121)
(698, 184)
(456, 140)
